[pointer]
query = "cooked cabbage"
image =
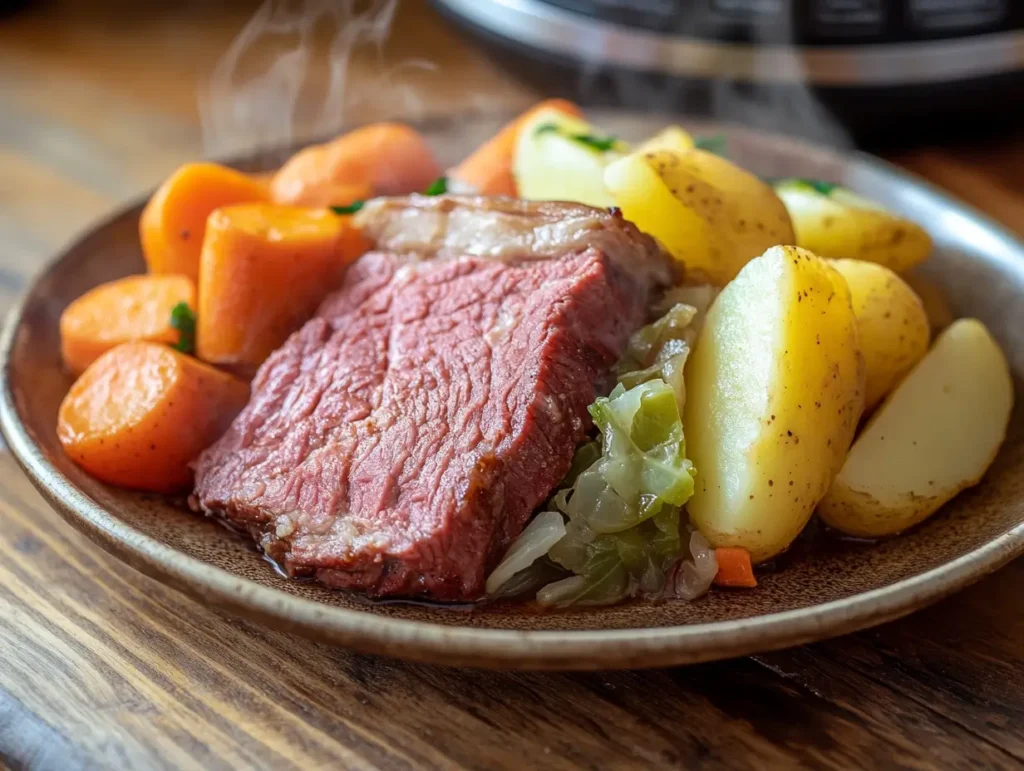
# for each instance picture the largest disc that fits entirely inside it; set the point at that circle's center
(546, 529)
(623, 533)
(622, 498)
(693, 577)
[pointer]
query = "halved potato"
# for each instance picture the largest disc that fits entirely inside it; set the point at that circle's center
(562, 158)
(834, 222)
(709, 213)
(774, 392)
(937, 434)
(669, 138)
(891, 323)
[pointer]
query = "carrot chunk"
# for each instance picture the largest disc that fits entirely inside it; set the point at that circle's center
(263, 272)
(489, 169)
(387, 158)
(334, 194)
(173, 223)
(142, 412)
(132, 308)
(734, 567)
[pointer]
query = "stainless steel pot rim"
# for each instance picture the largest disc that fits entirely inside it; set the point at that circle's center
(595, 43)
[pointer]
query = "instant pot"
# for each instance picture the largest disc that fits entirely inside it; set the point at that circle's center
(826, 68)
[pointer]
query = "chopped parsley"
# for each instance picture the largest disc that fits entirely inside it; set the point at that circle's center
(819, 186)
(183, 319)
(352, 208)
(825, 188)
(713, 144)
(438, 187)
(593, 141)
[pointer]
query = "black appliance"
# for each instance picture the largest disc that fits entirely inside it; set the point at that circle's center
(878, 69)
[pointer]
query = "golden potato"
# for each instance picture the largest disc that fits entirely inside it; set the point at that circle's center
(891, 323)
(834, 222)
(933, 298)
(935, 435)
(710, 214)
(562, 158)
(669, 138)
(774, 392)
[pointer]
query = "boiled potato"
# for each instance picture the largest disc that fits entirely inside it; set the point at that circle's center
(891, 323)
(562, 158)
(669, 138)
(937, 434)
(774, 391)
(832, 221)
(710, 214)
(933, 298)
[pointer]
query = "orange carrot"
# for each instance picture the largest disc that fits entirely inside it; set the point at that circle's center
(734, 568)
(388, 158)
(489, 169)
(265, 178)
(173, 223)
(142, 412)
(334, 194)
(132, 308)
(264, 270)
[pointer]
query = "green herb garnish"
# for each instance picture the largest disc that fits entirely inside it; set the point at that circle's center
(438, 187)
(352, 208)
(825, 188)
(713, 144)
(819, 186)
(599, 143)
(183, 319)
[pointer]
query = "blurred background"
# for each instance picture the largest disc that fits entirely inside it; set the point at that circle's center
(100, 99)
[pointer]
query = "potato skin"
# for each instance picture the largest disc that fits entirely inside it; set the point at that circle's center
(935, 435)
(857, 513)
(774, 394)
(891, 323)
(842, 225)
(710, 214)
(669, 138)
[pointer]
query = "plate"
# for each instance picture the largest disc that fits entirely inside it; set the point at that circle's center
(817, 593)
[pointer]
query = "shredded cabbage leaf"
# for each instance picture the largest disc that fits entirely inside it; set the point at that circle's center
(623, 496)
(623, 529)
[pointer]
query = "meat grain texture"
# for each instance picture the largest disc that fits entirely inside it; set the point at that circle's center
(402, 439)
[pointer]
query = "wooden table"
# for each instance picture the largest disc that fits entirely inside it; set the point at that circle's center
(102, 667)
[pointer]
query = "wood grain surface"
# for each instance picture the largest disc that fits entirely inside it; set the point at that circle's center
(104, 668)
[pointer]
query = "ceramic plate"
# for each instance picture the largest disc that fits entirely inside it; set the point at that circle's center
(815, 593)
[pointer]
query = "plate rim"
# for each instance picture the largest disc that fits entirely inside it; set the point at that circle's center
(366, 632)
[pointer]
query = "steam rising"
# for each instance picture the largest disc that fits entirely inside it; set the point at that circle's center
(285, 76)
(790, 108)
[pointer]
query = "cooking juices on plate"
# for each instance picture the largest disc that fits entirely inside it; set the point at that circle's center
(569, 369)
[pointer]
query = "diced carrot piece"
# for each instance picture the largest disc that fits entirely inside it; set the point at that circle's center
(334, 194)
(388, 158)
(173, 223)
(263, 272)
(489, 169)
(132, 308)
(265, 178)
(734, 567)
(142, 412)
